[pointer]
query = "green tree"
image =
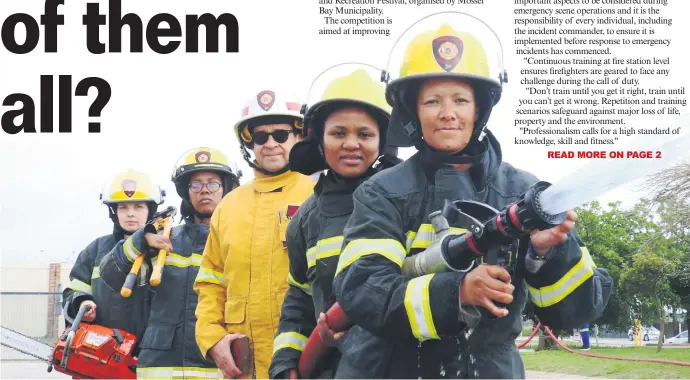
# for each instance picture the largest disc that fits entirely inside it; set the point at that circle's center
(646, 281)
(612, 236)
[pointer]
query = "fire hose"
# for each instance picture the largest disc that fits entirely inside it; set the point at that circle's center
(565, 347)
(536, 330)
(662, 361)
(489, 235)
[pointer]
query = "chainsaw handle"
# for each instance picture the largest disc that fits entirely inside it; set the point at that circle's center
(76, 323)
(126, 290)
(80, 314)
(157, 273)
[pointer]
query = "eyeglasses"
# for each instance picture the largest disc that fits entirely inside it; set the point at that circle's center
(212, 187)
(279, 135)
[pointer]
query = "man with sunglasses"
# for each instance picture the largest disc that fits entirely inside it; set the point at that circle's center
(202, 176)
(243, 277)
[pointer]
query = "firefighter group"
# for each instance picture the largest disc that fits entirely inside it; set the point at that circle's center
(328, 219)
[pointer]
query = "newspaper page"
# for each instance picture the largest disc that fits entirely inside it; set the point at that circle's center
(588, 95)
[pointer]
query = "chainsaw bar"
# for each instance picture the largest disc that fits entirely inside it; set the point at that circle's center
(26, 345)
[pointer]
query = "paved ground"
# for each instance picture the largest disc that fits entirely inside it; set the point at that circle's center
(25, 369)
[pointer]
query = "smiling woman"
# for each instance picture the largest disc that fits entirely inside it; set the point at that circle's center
(447, 112)
(351, 141)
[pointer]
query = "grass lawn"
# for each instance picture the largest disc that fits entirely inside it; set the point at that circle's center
(564, 362)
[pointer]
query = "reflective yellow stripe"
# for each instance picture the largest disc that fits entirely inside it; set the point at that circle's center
(424, 236)
(419, 309)
(289, 340)
(210, 276)
(80, 286)
(588, 257)
(178, 373)
(324, 248)
(305, 287)
(96, 273)
(388, 248)
(130, 251)
(182, 262)
(552, 294)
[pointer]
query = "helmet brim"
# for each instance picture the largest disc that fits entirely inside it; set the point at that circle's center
(477, 82)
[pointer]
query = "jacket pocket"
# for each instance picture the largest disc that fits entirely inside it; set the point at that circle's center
(158, 337)
(235, 310)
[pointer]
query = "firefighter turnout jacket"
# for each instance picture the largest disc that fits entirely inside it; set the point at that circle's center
(407, 328)
(169, 347)
(243, 277)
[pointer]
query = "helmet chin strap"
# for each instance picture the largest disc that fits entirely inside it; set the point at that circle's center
(256, 167)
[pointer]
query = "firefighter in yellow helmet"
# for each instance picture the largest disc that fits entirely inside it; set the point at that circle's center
(132, 199)
(202, 177)
(429, 321)
(345, 130)
(243, 275)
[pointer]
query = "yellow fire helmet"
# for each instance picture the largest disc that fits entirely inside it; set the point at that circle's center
(204, 159)
(340, 86)
(443, 45)
(132, 186)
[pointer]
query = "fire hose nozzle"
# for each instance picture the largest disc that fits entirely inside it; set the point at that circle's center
(433, 259)
(529, 212)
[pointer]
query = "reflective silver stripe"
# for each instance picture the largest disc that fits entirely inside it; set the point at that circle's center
(289, 340)
(130, 251)
(80, 286)
(311, 256)
(388, 248)
(96, 273)
(419, 309)
(425, 235)
(181, 261)
(210, 276)
(179, 372)
(305, 287)
(588, 257)
(324, 248)
(552, 294)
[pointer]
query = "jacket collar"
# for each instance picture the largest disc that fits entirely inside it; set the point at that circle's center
(335, 193)
(480, 172)
(263, 183)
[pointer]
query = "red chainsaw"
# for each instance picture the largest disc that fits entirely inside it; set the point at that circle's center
(83, 351)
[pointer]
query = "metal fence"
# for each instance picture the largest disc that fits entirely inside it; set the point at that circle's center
(35, 314)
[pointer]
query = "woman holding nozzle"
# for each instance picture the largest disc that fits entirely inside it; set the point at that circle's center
(450, 324)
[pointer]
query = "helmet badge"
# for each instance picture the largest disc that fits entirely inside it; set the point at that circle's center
(447, 51)
(129, 186)
(202, 156)
(266, 99)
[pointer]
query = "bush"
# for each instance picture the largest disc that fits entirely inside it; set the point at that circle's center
(527, 332)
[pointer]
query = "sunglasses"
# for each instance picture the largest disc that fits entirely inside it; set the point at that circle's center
(212, 187)
(279, 135)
